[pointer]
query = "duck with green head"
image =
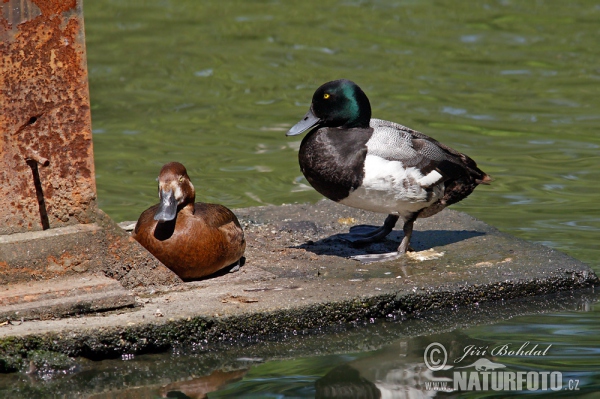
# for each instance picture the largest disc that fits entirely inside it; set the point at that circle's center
(377, 165)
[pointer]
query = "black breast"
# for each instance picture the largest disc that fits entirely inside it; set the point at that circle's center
(332, 160)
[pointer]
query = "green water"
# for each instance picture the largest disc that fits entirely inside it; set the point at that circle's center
(215, 85)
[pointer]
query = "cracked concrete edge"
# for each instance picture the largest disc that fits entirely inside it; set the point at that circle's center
(106, 343)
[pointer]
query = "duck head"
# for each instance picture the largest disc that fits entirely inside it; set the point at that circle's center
(339, 103)
(175, 191)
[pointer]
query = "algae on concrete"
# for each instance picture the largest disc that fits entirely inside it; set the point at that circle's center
(203, 358)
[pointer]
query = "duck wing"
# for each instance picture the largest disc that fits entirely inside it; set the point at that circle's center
(215, 215)
(395, 142)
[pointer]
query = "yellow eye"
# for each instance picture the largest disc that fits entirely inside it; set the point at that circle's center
(181, 179)
(326, 96)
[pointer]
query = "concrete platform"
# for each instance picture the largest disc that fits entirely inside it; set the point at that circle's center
(62, 297)
(78, 250)
(198, 369)
(297, 278)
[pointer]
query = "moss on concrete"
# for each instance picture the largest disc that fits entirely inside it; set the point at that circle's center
(106, 343)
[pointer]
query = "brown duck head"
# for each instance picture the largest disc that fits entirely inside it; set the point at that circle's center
(175, 191)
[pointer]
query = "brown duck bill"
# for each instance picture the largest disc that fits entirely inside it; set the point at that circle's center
(309, 122)
(167, 208)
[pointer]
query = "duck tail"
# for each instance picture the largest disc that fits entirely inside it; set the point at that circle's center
(459, 188)
(477, 175)
(486, 180)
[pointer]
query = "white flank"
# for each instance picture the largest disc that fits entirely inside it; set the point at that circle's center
(430, 179)
(390, 188)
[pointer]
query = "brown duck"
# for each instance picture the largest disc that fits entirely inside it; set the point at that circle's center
(192, 239)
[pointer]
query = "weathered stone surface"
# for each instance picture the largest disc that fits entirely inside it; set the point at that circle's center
(297, 277)
(70, 251)
(62, 297)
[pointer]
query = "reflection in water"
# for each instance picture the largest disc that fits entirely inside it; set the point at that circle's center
(398, 369)
(401, 381)
(474, 368)
(394, 373)
(198, 388)
(345, 382)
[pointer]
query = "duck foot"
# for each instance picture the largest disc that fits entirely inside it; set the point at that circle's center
(364, 234)
(372, 258)
(236, 266)
(402, 248)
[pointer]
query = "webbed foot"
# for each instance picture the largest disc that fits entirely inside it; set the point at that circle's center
(364, 234)
(372, 258)
(236, 266)
(402, 248)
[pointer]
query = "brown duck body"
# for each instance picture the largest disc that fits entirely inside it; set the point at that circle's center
(192, 239)
(195, 244)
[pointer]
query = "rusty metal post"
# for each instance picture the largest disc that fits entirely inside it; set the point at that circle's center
(46, 161)
(50, 225)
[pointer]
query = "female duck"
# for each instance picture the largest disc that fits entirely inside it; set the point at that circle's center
(192, 239)
(377, 165)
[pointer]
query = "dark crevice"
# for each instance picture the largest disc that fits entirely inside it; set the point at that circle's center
(40, 193)
(30, 122)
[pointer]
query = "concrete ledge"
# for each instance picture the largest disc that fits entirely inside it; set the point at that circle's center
(62, 297)
(205, 361)
(74, 251)
(297, 278)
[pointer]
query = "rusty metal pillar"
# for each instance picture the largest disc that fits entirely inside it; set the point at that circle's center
(47, 166)
(50, 225)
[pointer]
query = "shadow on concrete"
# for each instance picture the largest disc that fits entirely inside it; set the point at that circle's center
(224, 271)
(421, 240)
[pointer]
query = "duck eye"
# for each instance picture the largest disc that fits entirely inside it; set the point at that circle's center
(326, 96)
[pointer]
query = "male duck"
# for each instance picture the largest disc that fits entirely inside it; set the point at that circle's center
(192, 239)
(377, 165)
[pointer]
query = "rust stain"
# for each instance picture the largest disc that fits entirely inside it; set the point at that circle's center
(44, 115)
(53, 7)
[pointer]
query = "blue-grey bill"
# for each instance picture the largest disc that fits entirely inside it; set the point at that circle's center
(167, 209)
(308, 122)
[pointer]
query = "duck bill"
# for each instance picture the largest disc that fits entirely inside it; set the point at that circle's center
(307, 123)
(167, 209)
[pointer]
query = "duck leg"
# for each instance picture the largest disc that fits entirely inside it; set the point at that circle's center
(408, 229)
(366, 234)
(402, 248)
(236, 266)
